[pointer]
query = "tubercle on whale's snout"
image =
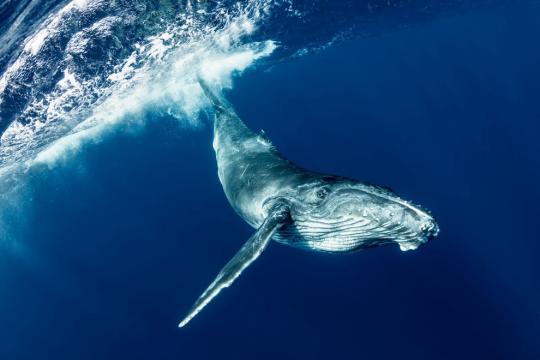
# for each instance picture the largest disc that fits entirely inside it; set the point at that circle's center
(431, 230)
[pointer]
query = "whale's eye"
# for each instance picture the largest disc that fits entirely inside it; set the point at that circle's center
(322, 193)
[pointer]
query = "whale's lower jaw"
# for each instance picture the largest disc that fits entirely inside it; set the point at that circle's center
(344, 247)
(340, 243)
(329, 246)
(343, 244)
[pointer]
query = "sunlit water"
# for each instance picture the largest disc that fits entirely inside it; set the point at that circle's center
(112, 219)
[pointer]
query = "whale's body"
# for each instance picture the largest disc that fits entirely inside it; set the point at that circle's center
(301, 208)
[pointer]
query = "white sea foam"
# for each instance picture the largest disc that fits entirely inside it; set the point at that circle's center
(171, 87)
(159, 75)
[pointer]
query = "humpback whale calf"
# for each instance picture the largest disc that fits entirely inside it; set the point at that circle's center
(297, 207)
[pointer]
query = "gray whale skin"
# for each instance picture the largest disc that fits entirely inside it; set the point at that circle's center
(300, 208)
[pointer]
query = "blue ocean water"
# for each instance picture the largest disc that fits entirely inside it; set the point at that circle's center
(104, 250)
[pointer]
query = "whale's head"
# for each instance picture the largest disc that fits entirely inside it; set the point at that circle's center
(336, 214)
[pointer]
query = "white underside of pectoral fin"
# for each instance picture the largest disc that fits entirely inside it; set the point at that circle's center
(251, 250)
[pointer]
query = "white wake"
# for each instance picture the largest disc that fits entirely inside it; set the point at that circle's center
(158, 75)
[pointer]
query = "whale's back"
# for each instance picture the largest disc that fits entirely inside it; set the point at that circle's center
(247, 161)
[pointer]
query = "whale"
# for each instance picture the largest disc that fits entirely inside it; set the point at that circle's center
(297, 207)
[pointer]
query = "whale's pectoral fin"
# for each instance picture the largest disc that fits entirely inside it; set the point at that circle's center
(247, 254)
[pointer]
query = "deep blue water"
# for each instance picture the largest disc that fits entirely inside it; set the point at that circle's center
(110, 248)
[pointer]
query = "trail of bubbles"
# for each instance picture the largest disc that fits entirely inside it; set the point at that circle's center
(175, 92)
(93, 64)
(82, 104)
